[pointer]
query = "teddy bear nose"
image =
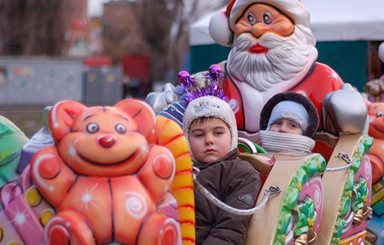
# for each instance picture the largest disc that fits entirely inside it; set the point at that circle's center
(107, 141)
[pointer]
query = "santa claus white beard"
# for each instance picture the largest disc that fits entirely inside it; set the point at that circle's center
(285, 58)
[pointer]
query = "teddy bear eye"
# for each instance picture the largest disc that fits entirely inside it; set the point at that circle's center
(92, 127)
(120, 128)
(379, 114)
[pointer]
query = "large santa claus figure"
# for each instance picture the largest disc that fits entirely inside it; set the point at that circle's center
(273, 51)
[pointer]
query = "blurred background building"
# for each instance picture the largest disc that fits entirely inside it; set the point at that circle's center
(53, 50)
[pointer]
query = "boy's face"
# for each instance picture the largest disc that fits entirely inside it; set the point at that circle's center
(209, 140)
(284, 125)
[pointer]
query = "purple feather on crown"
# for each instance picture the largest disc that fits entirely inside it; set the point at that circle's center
(214, 75)
(185, 80)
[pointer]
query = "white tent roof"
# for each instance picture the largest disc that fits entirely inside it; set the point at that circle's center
(331, 20)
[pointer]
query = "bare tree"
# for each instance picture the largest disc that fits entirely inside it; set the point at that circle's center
(157, 28)
(121, 31)
(165, 27)
(156, 18)
(179, 44)
(12, 15)
(180, 41)
(32, 27)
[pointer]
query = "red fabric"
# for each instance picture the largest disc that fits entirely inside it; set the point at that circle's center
(320, 81)
(229, 7)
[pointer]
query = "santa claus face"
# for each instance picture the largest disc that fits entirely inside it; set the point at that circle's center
(259, 19)
(269, 49)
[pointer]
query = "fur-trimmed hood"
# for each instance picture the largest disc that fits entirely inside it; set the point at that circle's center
(292, 96)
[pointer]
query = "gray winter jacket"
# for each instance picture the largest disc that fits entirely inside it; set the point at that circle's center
(233, 181)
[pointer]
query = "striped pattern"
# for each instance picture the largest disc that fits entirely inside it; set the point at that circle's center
(170, 135)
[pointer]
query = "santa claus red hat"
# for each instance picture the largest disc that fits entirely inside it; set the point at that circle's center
(223, 23)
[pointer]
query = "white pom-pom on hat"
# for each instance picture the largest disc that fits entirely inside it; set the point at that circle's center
(219, 29)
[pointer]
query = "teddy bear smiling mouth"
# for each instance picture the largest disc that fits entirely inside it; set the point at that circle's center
(107, 164)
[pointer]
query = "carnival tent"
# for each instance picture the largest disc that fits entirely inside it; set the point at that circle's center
(342, 29)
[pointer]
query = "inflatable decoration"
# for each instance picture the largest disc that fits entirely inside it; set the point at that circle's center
(12, 140)
(38, 141)
(170, 135)
(347, 192)
(292, 217)
(376, 124)
(375, 104)
(24, 212)
(112, 176)
(376, 156)
(320, 202)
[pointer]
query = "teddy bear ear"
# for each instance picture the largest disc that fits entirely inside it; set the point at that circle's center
(142, 114)
(61, 117)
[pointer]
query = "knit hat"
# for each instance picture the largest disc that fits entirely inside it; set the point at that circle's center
(210, 106)
(267, 113)
(289, 110)
(174, 111)
(222, 24)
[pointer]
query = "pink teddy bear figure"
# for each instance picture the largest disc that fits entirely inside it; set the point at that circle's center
(105, 176)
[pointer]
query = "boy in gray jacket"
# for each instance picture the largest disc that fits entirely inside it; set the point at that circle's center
(210, 127)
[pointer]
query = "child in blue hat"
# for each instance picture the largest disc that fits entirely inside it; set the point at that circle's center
(288, 122)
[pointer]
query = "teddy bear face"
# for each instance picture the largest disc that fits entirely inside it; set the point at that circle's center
(376, 120)
(103, 141)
